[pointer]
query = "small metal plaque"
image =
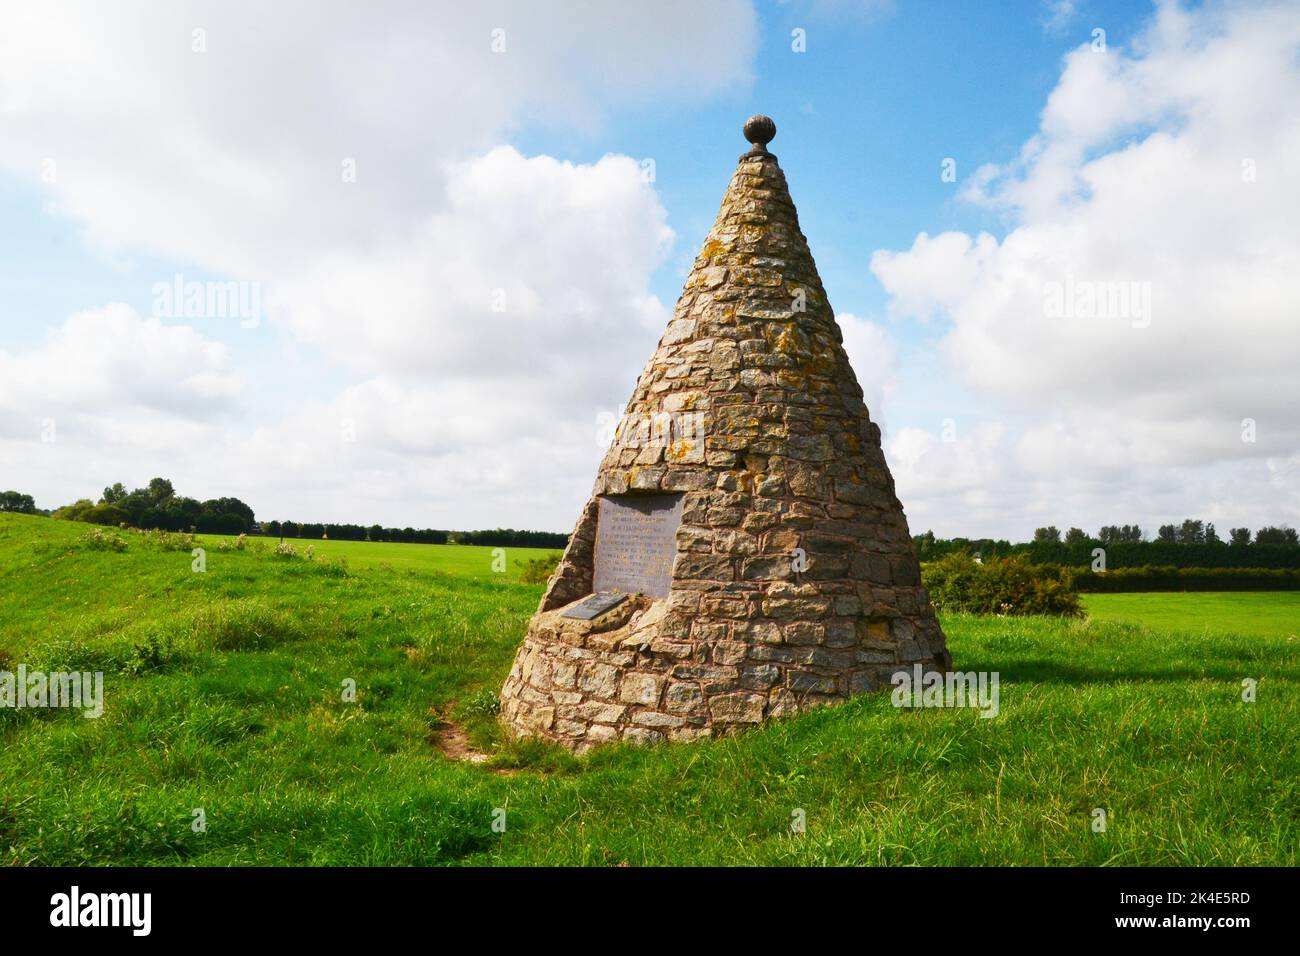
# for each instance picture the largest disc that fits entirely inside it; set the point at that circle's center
(636, 543)
(595, 606)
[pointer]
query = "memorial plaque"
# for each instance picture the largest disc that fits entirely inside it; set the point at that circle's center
(636, 543)
(595, 606)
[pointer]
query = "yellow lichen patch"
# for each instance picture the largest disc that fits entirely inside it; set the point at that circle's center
(740, 423)
(713, 248)
(682, 449)
(792, 378)
(789, 340)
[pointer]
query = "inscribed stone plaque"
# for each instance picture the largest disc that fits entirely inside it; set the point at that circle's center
(589, 609)
(636, 543)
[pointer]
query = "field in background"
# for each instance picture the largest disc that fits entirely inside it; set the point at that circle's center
(1260, 613)
(472, 561)
(222, 693)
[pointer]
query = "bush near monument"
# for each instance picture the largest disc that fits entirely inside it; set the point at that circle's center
(957, 582)
(539, 570)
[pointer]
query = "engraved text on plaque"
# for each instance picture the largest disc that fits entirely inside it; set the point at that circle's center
(636, 543)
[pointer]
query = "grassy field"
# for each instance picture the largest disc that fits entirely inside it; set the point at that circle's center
(1256, 613)
(223, 693)
(462, 560)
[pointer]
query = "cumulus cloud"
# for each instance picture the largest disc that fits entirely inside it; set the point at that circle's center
(112, 358)
(1142, 303)
(300, 128)
(528, 254)
(874, 359)
(487, 305)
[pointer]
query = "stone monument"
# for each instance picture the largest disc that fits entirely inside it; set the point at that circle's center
(743, 554)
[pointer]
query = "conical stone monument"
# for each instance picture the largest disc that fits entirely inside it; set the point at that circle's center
(743, 554)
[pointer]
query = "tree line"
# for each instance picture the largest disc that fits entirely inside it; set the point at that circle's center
(498, 537)
(1191, 544)
(18, 503)
(158, 506)
(352, 532)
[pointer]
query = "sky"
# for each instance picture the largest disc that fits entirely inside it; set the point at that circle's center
(1060, 238)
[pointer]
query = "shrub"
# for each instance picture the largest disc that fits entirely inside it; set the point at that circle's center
(108, 515)
(239, 544)
(153, 653)
(539, 570)
(957, 582)
(285, 550)
(168, 540)
(97, 540)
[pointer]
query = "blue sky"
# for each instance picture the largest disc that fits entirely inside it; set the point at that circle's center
(219, 164)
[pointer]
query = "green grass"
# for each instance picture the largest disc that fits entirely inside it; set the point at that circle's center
(1257, 613)
(223, 693)
(458, 559)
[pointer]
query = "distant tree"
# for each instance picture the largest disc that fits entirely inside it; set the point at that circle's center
(17, 502)
(160, 489)
(1191, 531)
(1168, 534)
(114, 493)
(1048, 535)
(1282, 536)
(105, 514)
(1120, 534)
(1076, 536)
(1211, 536)
(73, 511)
(1239, 537)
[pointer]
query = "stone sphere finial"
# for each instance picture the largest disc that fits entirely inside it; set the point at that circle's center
(760, 130)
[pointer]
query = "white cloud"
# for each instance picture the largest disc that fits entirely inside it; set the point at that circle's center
(232, 158)
(231, 161)
(874, 359)
(532, 266)
(111, 358)
(1141, 172)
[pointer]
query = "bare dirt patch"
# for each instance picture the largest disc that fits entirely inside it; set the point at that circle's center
(453, 742)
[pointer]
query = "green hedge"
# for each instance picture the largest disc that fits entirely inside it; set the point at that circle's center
(957, 582)
(1187, 579)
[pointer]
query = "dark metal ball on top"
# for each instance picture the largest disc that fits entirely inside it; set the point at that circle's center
(759, 130)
